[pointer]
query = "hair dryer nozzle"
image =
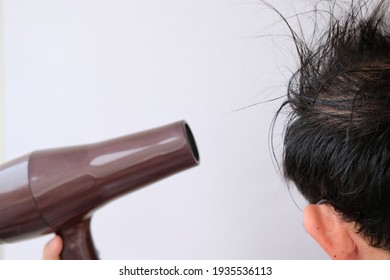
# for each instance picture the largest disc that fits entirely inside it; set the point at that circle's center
(191, 142)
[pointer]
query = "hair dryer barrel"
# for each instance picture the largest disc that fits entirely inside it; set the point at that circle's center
(63, 186)
(19, 216)
(67, 183)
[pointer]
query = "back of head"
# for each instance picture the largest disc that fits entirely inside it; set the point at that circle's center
(337, 138)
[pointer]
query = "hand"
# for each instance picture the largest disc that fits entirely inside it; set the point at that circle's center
(52, 249)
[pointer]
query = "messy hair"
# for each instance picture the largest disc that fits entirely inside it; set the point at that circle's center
(337, 137)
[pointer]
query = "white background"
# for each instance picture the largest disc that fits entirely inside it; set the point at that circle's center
(82, 71)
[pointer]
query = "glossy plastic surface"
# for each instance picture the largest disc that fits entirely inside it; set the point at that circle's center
(58, 189)
(19, 216)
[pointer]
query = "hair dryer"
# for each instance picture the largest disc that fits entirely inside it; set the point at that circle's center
(57, 190)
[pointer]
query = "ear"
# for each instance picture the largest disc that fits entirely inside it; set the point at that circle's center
(333, 234)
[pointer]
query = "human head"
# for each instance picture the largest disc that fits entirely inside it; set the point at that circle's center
(337, 137)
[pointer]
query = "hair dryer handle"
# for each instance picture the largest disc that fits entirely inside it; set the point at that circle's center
(77, 240)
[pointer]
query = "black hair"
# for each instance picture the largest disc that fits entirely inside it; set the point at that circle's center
(337, 136)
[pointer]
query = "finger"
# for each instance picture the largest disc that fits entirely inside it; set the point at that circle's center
(52, 249)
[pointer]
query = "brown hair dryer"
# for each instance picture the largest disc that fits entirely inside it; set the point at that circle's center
(56, 190)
